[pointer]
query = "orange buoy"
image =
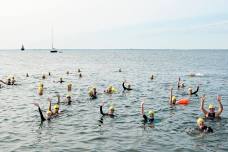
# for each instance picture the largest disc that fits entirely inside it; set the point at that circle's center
(183, 101)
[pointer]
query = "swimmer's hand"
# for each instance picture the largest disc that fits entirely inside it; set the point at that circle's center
(36, 104)
(142, 103)
(102, 104)
(203, 98)
(219, 98)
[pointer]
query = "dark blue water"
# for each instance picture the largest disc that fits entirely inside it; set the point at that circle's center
(78, 127)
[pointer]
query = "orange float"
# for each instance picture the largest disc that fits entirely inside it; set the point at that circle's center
(183, 101)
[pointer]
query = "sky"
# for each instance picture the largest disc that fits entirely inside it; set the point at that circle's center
(114, 24)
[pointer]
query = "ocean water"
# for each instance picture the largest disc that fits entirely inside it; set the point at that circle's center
(78, 128)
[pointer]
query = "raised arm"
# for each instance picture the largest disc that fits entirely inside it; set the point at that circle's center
(3, 82)
(178, 83)
(41, 114)
(219, 99)
(202, 105)
(196, 90)
(142, 108)
(101, 111)
(142, 112)
(123, 84)
(49, 104)
(170, 97)
(58, 96)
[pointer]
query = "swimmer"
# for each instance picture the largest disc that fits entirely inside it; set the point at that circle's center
(152, 77)
(190, 91)
(93, 93)
(50, 114)
(128, 86)
(202, 127)
(120, 70)
(79, 70)
(49, 73)
(60, 80)
(110, 90)
(151, 114)
(80, 75)
(9, 81)
(56, 106)
(27, 75)
(211, 114)
(67, 72)
(68, 97)
(180, 84)
(43, 76)
(110, 111)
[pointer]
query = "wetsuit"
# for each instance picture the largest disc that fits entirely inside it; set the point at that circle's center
(206, 129)
(105, 114)
(61, 81)
(94, 95)
(196, 90)
(146, 119)
(125, 88)
(41, 115)
(211, 115)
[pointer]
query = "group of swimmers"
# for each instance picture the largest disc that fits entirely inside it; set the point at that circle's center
(210, 114)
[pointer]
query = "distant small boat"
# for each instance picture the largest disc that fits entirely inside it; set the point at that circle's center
(22, 48)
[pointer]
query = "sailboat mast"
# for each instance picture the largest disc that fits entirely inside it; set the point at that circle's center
(52, 37)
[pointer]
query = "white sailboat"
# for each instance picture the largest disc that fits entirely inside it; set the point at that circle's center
(53, 50)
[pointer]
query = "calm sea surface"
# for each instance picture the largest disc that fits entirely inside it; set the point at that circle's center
(78, 127)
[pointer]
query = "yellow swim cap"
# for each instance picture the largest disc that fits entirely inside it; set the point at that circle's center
(199, 121)
(211, 106)
(40, 85)
(90, 92)
(111, 108)
(174, 98)
(151, 112)
(56, 106)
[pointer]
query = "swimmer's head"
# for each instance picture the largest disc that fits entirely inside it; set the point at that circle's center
(200, 122)
(43, 76)
(111, 110)
(151, 114)
(80, 75)
(109, 90)
(9, 80)
(211, 108)
(129, 86)
(61, 79)
(56, 108)
(67, 72)
(68, 97)
(174, 99)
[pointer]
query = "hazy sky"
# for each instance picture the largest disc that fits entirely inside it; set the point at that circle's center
(114, 23)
